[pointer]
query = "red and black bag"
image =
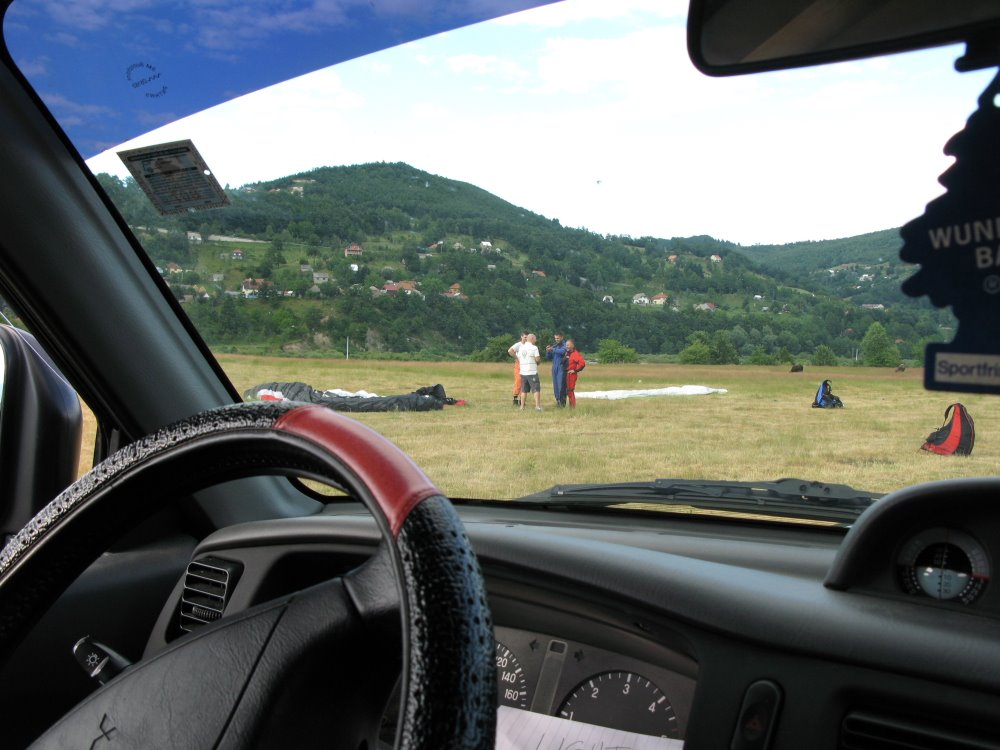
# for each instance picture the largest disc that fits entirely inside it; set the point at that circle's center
(956, 436)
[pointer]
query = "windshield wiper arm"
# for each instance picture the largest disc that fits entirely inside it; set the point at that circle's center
(793, 497)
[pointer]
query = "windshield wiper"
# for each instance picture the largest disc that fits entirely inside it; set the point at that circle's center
(794, 498)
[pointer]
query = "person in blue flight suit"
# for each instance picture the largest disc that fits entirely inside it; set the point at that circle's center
(557, 353)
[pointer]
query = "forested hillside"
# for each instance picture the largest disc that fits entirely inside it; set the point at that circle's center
(808, 257)
(397, 260)
(865, 269)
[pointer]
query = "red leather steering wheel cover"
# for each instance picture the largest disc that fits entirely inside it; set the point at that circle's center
(397, 484)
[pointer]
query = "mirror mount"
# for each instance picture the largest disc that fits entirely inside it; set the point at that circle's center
(982, 51)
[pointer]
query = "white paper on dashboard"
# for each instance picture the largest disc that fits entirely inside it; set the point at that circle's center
(524, 730)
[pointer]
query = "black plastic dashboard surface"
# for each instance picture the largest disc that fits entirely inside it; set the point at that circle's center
(700, 610)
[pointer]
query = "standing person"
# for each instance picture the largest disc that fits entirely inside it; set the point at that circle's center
(512, 351)
(528, 357)
(557, 353)
(574, 365)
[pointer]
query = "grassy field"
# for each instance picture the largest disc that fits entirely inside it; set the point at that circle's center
(762, 428)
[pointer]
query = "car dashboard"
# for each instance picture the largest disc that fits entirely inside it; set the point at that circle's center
(714, 634)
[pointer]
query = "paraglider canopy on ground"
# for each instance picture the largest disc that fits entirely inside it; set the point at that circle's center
(426, 398)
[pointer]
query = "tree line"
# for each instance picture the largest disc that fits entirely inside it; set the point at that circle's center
(546, 278)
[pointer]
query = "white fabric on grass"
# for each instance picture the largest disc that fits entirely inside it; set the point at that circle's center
(673, 390)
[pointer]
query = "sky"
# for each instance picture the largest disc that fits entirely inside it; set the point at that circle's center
(591, 113)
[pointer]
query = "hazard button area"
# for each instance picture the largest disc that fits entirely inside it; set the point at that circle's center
(758, 716)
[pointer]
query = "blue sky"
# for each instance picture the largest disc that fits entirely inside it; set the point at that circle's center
(591, 113)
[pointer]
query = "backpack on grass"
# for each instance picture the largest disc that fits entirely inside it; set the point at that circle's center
(956, 436)
(825, 398)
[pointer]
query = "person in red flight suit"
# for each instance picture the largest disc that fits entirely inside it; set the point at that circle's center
(574, 365)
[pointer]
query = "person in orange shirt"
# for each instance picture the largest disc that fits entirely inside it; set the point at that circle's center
(574, 365)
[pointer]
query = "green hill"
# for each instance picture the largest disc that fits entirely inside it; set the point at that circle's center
(807, 258)
(477, 268)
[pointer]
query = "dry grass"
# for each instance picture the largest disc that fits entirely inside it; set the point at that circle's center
(763, 428)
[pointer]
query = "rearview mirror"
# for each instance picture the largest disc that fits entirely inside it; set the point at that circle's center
(730, 37)
(41, 429)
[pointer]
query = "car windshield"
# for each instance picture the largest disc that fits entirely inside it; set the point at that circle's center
(368, 205)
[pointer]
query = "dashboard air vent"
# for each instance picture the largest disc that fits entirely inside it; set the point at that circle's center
(861, 730)
(208, 584)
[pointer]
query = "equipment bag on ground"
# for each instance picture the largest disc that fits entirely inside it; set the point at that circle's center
(825, 398)
(956, 436)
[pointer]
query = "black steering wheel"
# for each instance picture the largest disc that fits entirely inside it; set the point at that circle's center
(273, 676)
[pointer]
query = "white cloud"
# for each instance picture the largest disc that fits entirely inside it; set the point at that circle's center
(91, 14)
(36, 68)
(591, 113)
(487, 65)
(286, 129)
(562, 14)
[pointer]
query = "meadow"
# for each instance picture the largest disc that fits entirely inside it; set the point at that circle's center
(762, 428)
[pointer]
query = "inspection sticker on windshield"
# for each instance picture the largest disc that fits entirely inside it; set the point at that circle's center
(174, 177)
(960, 371)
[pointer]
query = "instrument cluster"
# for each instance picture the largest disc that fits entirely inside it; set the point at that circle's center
(579, 682)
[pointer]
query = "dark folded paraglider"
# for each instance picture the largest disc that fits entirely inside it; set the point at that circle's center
(427, 398)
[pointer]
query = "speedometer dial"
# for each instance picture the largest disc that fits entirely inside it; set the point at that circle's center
(621, 700)
(944, 564)
(512, 687)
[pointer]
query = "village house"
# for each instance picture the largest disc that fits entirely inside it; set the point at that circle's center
(174, 268)
(705, 306)
(353, 250)
(659, 299)
(608, 299)
(454, 292)
(640, 299)
(321, 277)
(715, 258)
(237, 254)
(540, 274)
(251, 288)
